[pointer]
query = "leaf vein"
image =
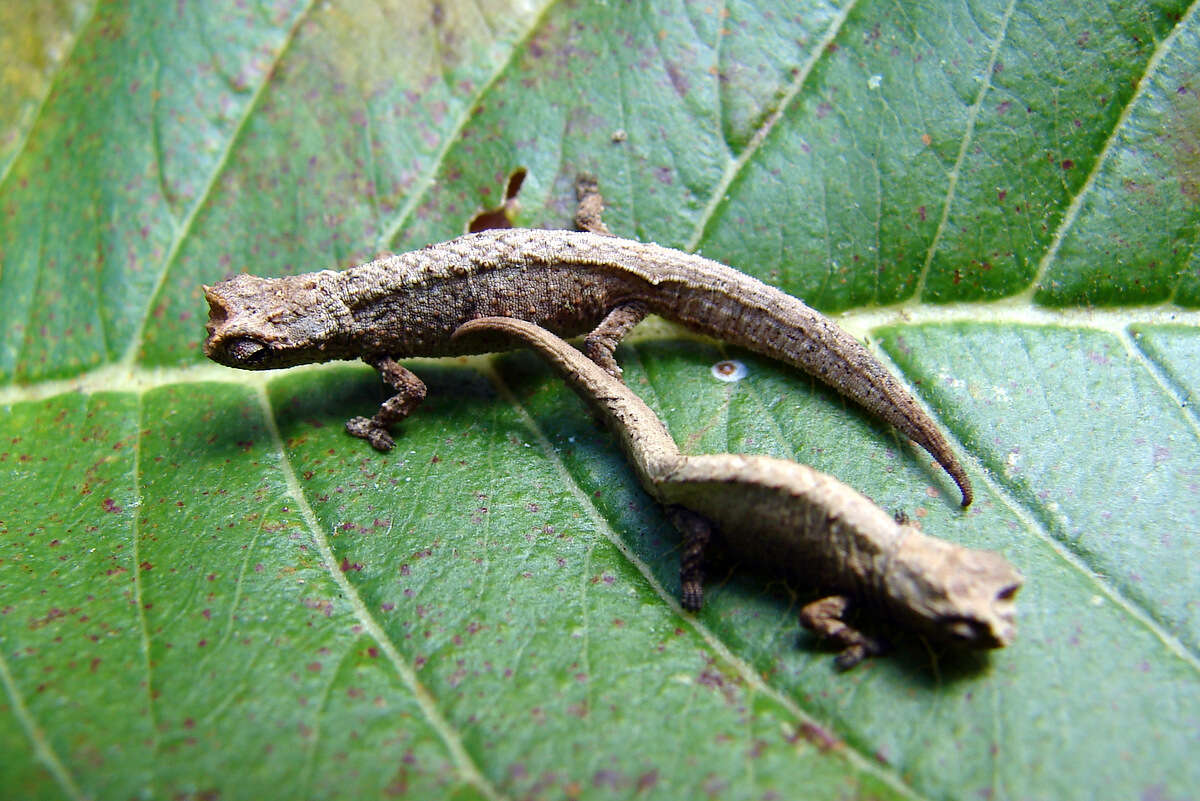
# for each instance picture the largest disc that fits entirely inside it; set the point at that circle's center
(51, 86)
(185, 226)
(466, 766)
(968, 136)
(136, 572)
(735, 167)
(1184, 274)
(314, 737)
(1072, 213)
(41, 746)
(425, 182)
(1163, 379)
(745, 671)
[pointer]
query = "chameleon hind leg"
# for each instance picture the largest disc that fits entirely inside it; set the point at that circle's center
(603, 340)
(410, 391)
(697, 534)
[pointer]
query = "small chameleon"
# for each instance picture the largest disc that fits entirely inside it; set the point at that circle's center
(789, 518)
(570, 282)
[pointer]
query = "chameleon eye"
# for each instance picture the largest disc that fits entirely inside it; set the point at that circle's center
(247, 350)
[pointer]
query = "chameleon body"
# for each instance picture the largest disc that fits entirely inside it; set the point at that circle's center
(566, 281)
(789, 518)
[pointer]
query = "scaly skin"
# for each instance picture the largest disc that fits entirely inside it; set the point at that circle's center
(566, 281)
(794, 520)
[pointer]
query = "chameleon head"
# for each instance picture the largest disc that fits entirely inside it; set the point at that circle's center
(265, 323)
(954, 594)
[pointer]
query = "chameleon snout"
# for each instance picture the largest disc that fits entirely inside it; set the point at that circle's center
(218, 312)
(218, 315)
(991, 621)
(224, 345)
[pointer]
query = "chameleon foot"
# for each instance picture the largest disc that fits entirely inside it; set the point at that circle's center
(410, 391)
(697, 533)
(372, 431)
(824, 618)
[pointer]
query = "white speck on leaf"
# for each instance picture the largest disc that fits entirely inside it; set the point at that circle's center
(729, 370)
(949, 379)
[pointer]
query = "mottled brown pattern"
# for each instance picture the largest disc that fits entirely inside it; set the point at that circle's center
(788, 518)
(567, 281)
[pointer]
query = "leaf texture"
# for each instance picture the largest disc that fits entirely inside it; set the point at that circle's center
(208, 590)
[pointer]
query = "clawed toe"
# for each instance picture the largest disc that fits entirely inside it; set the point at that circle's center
(824, 618)
(372, 431)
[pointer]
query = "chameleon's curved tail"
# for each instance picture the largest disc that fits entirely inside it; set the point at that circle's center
(646, 441)
(730, 305)
(757, 316)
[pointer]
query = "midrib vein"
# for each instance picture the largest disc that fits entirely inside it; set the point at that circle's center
(861, 323)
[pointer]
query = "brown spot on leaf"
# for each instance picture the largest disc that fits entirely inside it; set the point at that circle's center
(1184, 132)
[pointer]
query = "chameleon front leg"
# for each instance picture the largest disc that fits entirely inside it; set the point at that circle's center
(824, 618)
(697, 534)
(410, 391)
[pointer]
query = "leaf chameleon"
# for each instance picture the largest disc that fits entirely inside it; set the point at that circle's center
(791, 519)
(570, 282)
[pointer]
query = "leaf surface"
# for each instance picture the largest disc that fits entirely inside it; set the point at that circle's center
(207, 589)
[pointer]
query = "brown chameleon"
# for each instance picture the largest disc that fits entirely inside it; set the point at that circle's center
(569, 282)
(790, 519)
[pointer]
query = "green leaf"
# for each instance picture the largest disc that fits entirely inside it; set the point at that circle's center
(207, 589)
